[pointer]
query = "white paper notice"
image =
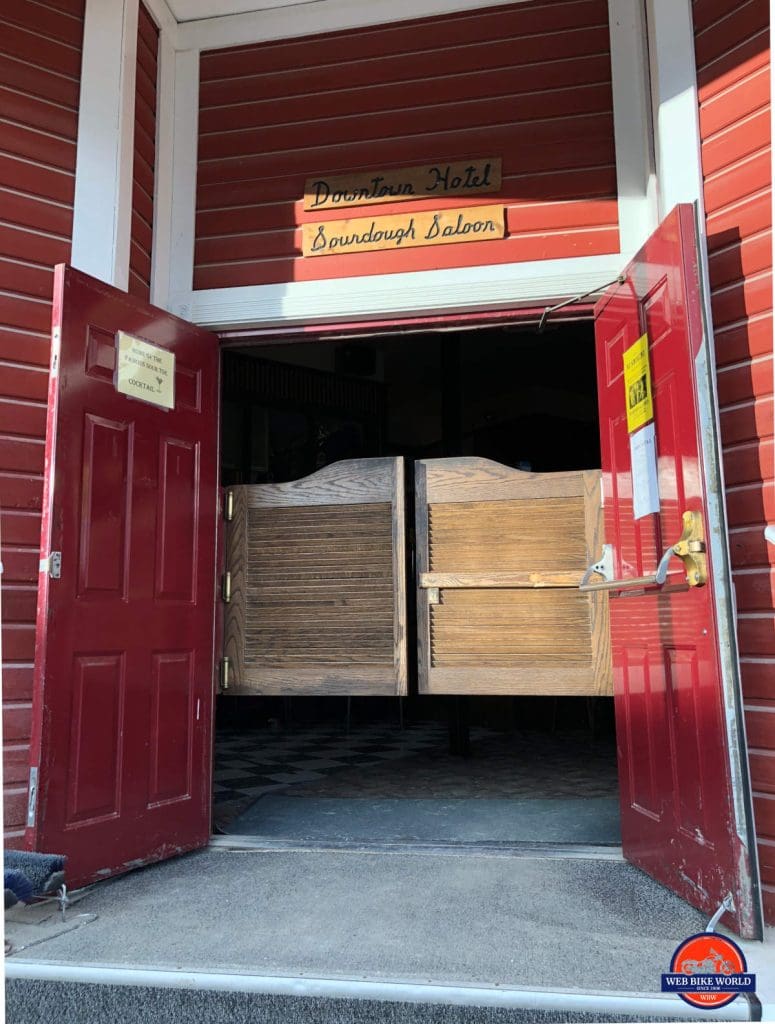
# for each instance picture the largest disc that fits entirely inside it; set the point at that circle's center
(145, 371)
(645, 482)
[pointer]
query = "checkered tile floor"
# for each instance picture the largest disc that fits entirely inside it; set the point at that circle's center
(250, 763)
(324, 760)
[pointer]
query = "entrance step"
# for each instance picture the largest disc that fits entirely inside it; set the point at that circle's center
(38, 994)
(445, 933)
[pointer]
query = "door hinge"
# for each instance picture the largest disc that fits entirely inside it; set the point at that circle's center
(226, 587)
(225, 673)
(228, 506)
(52, 565)
(32, 798)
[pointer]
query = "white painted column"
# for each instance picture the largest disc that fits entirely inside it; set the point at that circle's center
(674, 100)
(635, 171)
(176, 193)
(103, 173)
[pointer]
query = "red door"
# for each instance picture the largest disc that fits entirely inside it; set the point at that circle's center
(123, 690)
(686, 811)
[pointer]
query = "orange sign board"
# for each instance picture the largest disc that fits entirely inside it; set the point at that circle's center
(403, 231)
(427, 181)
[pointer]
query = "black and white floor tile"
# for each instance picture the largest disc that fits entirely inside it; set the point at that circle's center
(250, 763)
(385, 761)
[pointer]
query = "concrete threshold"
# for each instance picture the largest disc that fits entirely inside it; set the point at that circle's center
(548, 851)
(242, 932)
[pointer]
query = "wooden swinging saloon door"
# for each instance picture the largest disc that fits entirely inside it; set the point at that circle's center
(315, 588)
(500, 556)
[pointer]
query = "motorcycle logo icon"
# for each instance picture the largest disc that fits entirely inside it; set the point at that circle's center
(709, 971)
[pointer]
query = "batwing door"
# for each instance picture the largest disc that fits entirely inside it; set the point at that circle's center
(500, 556)
(686, 811)
(315, 587)
(124, 675)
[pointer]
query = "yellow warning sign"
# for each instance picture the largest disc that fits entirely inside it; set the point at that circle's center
(637, 384)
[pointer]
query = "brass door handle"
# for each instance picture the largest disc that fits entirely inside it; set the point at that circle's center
(690, 548)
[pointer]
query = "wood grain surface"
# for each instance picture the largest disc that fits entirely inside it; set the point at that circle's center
(506, 551)
(318, 583)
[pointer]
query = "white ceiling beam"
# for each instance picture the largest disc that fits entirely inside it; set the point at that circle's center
(288, 22)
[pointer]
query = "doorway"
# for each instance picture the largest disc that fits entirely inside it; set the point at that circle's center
(415, 768)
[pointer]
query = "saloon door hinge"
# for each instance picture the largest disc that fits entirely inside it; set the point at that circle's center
(226, 587)
(224, 673)
(228, 506)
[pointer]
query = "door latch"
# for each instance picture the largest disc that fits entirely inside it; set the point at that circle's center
(604, 568)
(691, 549)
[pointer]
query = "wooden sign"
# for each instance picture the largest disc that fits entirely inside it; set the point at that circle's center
(403, 231)
(428, 181)
(145, 371)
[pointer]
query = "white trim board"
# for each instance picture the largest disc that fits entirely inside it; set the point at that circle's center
(162, 14)
(102, 212)
(306, 19)
(471, 289)
(485, 287)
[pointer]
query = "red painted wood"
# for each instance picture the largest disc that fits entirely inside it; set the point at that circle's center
(530, 83)
(123, 681)
(671, 730)
(144, 156)
(732, 51)
(40, 57)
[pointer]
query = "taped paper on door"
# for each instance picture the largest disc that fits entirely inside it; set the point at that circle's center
(645, 479)
(145, 371)
(637, 384)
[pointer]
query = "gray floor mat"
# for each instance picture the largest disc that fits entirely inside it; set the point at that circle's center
(593, 820)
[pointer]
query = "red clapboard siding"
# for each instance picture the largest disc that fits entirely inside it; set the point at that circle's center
(40, 58)
(145, 156)
(529, 83)
(732, 52)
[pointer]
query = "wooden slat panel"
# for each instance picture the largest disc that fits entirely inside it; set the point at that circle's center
(507, 535)
(318, 582)
(505, 628)
(481, 522)
(530, 82)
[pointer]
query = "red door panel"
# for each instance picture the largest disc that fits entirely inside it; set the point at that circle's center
(686, 813)
(124, 648)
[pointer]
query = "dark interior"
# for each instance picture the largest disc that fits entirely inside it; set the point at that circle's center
(511, 394)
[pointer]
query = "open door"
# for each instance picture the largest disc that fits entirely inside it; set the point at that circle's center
(316, 583)
(123, 685)
(500, 556)
(686, 810)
